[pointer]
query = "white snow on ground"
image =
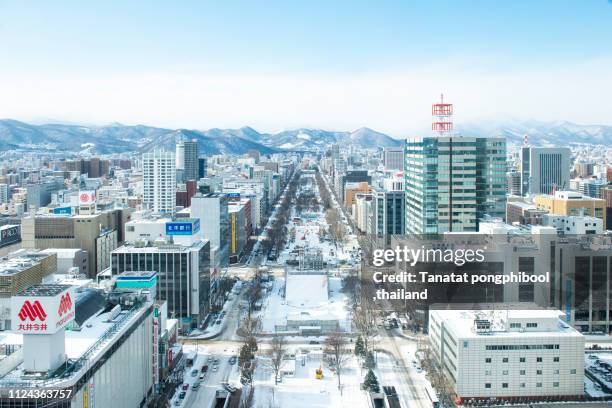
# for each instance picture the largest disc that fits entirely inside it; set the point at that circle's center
(306, 290)
(276, 309)
(303, 136)
(287, 146)
(304, 390)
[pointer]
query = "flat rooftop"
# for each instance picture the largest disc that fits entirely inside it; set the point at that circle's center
(43, 290)
(83, 348)
(461, 323)
(20, 260)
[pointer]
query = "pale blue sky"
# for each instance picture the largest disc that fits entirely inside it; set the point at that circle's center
(277, 65)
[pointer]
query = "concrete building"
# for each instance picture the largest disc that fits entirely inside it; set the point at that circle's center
(159, 175)
(544, 169)
(394, 158)
(4, 193)
(188, 160)
(388, 212)
(69, 260)
(18, 271)
(109, 355)
(453, 182)
(573, 225)
(212, 210)
(513, 183)
(572, 203)
(519, 212)
(508, 354)
(98, 234)
(183, 274)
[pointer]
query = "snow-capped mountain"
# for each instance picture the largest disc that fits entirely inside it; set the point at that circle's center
(117, 138)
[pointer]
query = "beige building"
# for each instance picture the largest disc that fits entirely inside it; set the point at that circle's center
(98, 234)
(572, 203)
(20, 270)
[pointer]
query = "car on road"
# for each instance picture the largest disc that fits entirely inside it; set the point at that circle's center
(194, 373)
(204, 368)
(232, 360)
(177, 402)
(182, 395)
(219, 321)
(185, 387)
(215, 368)
(313, 342)
(196, 385)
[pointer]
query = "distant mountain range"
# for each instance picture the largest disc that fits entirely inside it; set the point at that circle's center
(117, 138)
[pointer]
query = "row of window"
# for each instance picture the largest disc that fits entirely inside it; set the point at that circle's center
(522, 347)
(524, 372)
(521, 359)
(523, 385)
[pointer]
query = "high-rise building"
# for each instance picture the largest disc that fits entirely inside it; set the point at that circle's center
(452, 182)
(513, 183)
(394, 158)
(4, 193)
(388, 212)
(160, 181)
(212, 210)
(544, 169)
(191, 153)
(202, 167)
(183, 275)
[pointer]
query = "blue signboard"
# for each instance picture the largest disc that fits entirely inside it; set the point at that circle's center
(62, 210)
(233, 196)
(183, 227)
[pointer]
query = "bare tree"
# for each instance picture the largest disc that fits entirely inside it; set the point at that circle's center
(277, 350)
(337, 353)
(364, 319)
(248, 330)
(247, 398)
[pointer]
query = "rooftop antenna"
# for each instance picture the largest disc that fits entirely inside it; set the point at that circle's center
(442, 117)
(526, 140)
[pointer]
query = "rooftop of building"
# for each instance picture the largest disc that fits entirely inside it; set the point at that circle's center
(84, 347)
(569, 195)
(462, 323)
(20, 260)
(43, 290)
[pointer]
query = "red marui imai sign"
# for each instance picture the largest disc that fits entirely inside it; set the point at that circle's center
(42, 314)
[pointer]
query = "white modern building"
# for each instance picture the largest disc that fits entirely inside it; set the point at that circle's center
(508, 354)
(159, 176)
(108, 354)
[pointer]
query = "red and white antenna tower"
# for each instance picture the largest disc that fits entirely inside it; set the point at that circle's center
(526, 140)
(442, 117)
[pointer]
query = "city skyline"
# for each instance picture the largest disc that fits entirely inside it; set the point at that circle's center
(337, 67)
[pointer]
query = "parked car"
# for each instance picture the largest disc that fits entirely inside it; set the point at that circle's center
(185, 387)
(204, 368)
(232, 360)
(182, 395)
(194, 373)
(196, 385)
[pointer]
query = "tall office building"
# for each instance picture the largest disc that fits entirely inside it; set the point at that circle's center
(187, 159)
(452, 182)
(394, 158)
(212, 211)
(4, 193)
(202, 167)
(544, 169)
(160, 181)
